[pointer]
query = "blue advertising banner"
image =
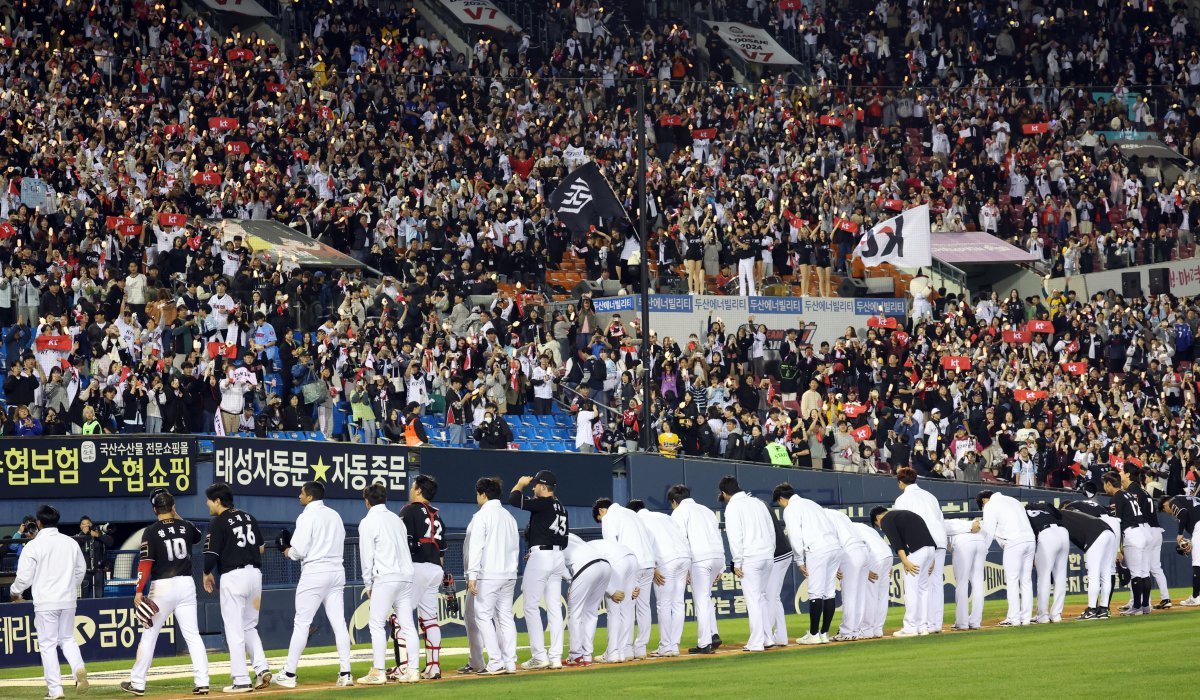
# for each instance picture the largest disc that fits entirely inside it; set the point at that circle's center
(105, 629)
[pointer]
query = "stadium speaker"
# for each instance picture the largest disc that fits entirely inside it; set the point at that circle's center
(1131, 284)
(588, 287)
(851, 287)
(1160, 281)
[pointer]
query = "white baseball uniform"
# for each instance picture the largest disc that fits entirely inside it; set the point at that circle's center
(174, 596)
(1156, 569)
(1050, 560)
(41, 567)
(968, 554)
(623, 578)
(751, 532)
(672, 559)
(241, 597)
(318, 544)
(925, 504)
(387, 574)
(493, 549)
(877, 592)
(589, 575)
(623, 525)
(1005, 520)
(699, 525)
(541, 584)
(855, 562)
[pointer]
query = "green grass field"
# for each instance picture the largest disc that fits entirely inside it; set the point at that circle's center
(1072, 659)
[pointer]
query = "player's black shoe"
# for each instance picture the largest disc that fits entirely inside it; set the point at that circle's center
(702, 650)
(200, 690)
(1089, 614)
(1164, 604)
(1103, 613)
(716, 642)
(128, 688)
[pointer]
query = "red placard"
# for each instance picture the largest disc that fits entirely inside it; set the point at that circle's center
(7, 230)
(900, 337)
(1073, 346)
(215, 349)
(1040, 326)
(1038, 128)
(1075, 367)
(112, 223)
(271, 86)
(325, 113)
(173, 129)
(1017, 337)
(61, 343)
(854, 409)
(208, 178)
(788, 5)
(956, 362)
(863, 433)
(1029, 395)
(300, 154)
(894, 204)
(223, 123)
(172, 219)
(888, 323)
(827, 120)
(240, 55)
(670, 120)
(6, 42)
(237, 148)
(130, 230)
(847, 225)
(198, 65)
(704, 133)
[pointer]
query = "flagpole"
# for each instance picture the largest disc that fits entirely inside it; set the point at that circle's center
(645, 263)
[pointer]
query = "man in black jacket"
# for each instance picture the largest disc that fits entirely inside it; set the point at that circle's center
(493, 432)
(909, 537)
(95, 543)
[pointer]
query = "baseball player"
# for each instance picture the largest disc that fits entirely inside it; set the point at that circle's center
(1138, 519)
(427, 547)
(166, 557)
(42, 566)
(1094, 509)
(752, 547)
(1099, 545)
(918, 500)
(879, 579)
(815, 541)
(492, 550)
(853, 574)
(621, 524)
(672, 560)
(591, 578)
(968, 554)
(546, 536)
(909, 538)
(1005, 520)
(387, 574)
(778, 634)
(1186, 509)
(233, 548)
(699, 525)
(1049, 560)
(318, 544)
(621, 592)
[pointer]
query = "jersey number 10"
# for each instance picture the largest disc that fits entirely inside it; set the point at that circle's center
(177, 549)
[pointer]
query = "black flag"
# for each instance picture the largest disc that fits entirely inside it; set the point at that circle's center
(583, 198)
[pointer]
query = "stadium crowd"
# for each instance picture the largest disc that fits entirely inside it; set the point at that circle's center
(126, 309)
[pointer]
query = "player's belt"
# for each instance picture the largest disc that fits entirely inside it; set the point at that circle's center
(547, 547)
(587, 565)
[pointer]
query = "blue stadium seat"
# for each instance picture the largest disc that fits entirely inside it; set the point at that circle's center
(543, 433)
(534, 445)
(546, 420)
(522, 433)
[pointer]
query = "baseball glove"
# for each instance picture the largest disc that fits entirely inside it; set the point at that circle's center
(145, 611)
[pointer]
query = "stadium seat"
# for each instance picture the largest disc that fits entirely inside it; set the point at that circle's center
(534, 445)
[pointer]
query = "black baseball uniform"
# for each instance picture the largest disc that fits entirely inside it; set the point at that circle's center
(425, 530)
(1187, 512)
(1083, 529)
(905, 530)
(1135, 508)
(167, 545)
(783, 546)
(547, 520)
(1042, 516)
(1091, 508)
(232, 542)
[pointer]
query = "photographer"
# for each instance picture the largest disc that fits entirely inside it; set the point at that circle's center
(95, 542)
(25, 531)
(493, 432)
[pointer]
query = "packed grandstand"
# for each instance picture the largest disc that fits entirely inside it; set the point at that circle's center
(133, 131)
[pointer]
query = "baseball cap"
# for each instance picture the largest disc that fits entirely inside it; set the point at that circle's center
(546, 477)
